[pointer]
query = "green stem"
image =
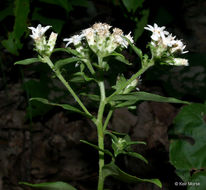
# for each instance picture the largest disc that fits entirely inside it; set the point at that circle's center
(100, 130)
(107, 119)
(66, 84)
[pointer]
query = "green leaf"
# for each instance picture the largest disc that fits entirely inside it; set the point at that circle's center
(120, 58)
(132, 5)
(138, 96)
(97, 148)
(136, 155)
(113, 170)
(51, 185)
(197, 181)
(21, 11)
(136, 142)
(63, 62)
(64, 106)
(67, 50)
(136, 49)
(11, 44)
(27, 61)
(93, 97)
(188, 151)
(83, 75)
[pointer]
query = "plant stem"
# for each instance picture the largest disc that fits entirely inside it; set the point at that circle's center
(107, 119)
(100, 130)
(66, 84)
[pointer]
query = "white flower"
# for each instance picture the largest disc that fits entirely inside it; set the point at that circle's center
(163, 41)
(38, 32)
(102, 29)
(178, 46)
(157, 32)
(76, 39)
(42, 46)
(100, 40)
(169, 41)
(89, 33)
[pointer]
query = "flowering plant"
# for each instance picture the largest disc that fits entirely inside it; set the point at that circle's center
(89, 51)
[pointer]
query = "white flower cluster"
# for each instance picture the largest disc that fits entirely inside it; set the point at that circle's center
(100, 39)
(43, 46)
(163, 42)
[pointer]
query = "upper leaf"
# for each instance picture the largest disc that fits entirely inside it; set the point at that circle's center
(131, 98)
(27, 61)
(65, 106)
(62, 62)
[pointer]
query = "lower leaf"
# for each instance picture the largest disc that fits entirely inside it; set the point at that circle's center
(113, 170)
(59, 185)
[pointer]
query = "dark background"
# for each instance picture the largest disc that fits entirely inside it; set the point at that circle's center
(40, 143)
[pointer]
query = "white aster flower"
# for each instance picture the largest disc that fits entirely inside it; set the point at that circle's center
(42, 46)
(178, 46)
(100, 40)
(169, 40)
(157, 32)
(102, 29)
(89, 33)
(164, 40)
(38, 32)
(76, 39)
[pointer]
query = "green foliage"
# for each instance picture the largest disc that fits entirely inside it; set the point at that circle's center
(97, 148)
(67, 50)
(121, 145)
(112, 169)
(141, 23)
(120, 58)
(50, 185)
(187, 153)
(64, 106)
(124, 100)
(134, 6)
(62, 62)
(27, 61)
(21, 11)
